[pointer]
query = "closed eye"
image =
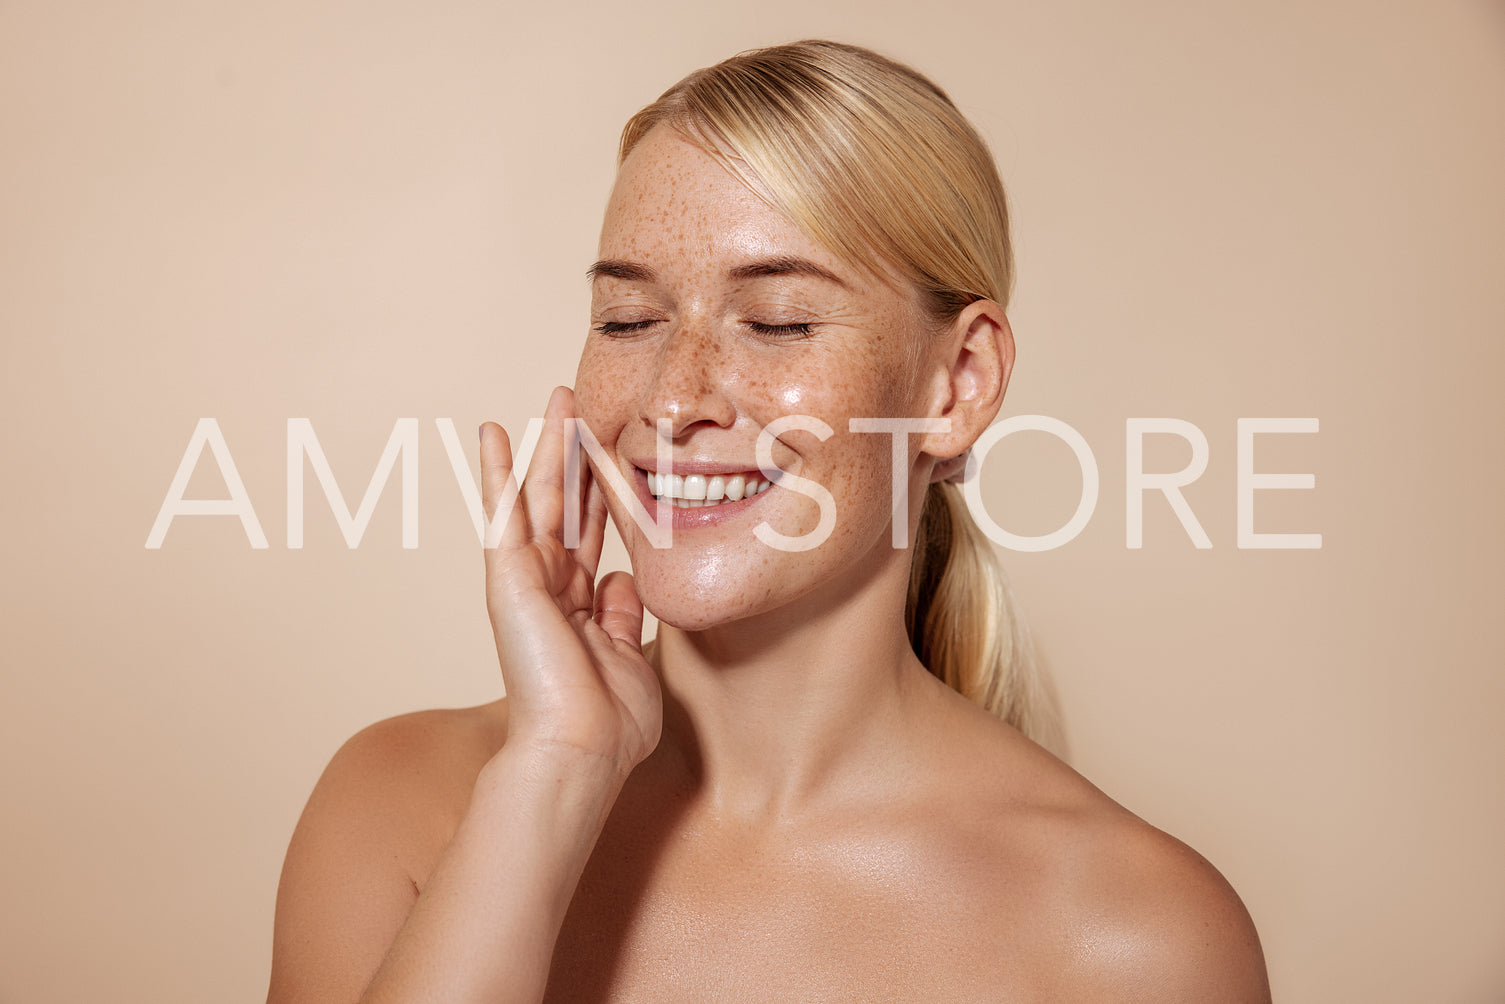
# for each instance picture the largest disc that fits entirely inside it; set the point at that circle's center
(781, 330)
(800, 330)
(622, 327)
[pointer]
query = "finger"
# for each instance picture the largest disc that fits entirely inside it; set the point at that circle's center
(559, 570)
(593, 528)
(499, 491)
(543, 488)
(619, 610)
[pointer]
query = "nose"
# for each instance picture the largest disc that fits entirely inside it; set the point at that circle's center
(688, 384)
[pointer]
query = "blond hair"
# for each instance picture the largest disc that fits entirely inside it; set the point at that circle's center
(874, 161)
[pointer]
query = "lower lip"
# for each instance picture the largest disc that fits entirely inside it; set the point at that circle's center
(682, 518)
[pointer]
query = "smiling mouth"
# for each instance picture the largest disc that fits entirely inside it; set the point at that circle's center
(701, 491)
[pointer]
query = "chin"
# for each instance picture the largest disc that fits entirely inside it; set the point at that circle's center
(699, 602)
(689, 621)
(712, 577)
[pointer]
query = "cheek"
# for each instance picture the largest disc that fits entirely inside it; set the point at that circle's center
(602, 384)
(863, 475)
(857, 385)
(888, 373)
(878, 379)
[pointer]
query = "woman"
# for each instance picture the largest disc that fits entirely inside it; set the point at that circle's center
(775, 800)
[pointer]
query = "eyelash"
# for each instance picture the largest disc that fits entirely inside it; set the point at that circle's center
(800, 330)
(621, 327)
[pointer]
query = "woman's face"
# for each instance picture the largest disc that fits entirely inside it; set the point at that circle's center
(713, 311)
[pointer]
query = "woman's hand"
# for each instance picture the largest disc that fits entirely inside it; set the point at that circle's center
(584, 708)
(570, 648)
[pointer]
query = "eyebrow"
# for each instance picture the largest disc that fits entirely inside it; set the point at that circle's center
(631, 271)
(785, 264)
(616, 268)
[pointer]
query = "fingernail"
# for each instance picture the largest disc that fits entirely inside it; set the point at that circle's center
(481, 431)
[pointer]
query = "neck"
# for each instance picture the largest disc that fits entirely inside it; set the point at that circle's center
(771, 715)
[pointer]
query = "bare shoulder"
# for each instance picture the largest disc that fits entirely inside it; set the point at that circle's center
(1145, 917)
(1119, 910)
(423, 747)
(379, 818)
(1154, 920)
(411, 775)
(412, 765)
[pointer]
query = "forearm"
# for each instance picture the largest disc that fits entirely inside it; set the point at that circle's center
(484, 927)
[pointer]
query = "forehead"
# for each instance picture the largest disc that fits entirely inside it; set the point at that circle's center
(673, 199)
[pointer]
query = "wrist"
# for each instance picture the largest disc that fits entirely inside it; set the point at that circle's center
(528, 767)
(551, 752)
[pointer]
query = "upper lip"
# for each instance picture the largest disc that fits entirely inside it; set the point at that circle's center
(683, 467)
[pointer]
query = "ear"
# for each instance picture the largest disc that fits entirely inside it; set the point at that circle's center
(975, 358)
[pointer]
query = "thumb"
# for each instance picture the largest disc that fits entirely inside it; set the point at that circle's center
(619, 610)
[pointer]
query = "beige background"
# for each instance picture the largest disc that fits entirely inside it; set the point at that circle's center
(363, 211)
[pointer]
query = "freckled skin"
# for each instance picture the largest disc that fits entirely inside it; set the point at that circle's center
(821, 819)
(961, 862)
(676, 210)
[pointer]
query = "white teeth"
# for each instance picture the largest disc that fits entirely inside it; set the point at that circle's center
(694, 491)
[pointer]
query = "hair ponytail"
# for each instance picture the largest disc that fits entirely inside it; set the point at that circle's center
(962, 620)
